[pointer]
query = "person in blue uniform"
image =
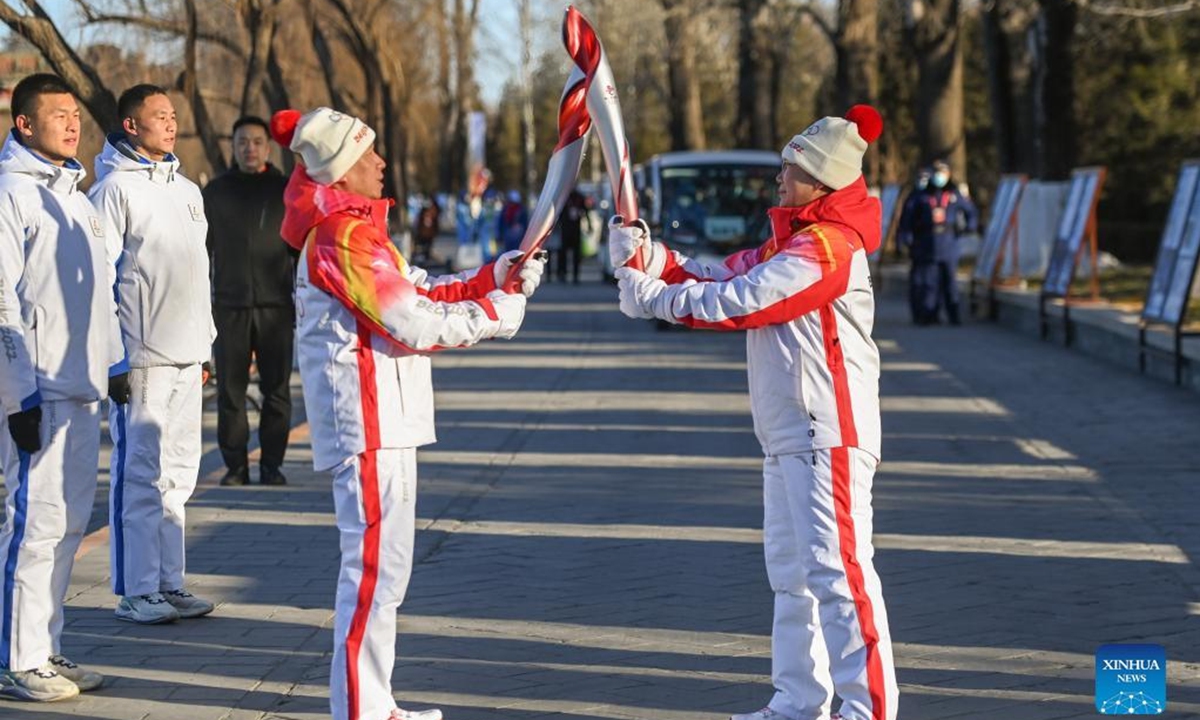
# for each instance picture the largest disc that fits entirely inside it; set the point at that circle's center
(931, 224)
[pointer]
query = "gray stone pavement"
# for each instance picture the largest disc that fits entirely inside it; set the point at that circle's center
(589, 542)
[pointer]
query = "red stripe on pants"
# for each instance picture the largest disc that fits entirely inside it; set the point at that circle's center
(368, 481)
(842, 506)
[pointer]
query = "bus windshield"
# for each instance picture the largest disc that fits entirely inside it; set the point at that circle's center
(722, 206)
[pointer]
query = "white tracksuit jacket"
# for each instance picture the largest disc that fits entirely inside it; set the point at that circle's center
(58, 339)
(158, 232)
(805, 299)
(162, 271)
(58, 331)
(355, 291)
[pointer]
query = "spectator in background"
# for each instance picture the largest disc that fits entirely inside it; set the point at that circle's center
(574, 215)
(930, 227)
(426, 230)
(254, 275)
(514, 219)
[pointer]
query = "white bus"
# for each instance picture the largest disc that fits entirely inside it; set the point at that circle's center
(707, 204)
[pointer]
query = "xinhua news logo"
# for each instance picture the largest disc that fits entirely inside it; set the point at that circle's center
(1131, 680)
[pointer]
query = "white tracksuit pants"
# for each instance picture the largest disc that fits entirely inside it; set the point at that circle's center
(155, 462)
(375, 498)
(50, 496)
(830, 633)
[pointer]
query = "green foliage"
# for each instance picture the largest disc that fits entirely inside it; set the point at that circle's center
(1137, 110)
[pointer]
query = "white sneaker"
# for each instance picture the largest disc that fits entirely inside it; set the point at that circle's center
(764, 714)
(84, 678)
(399, 714)
(151, 609)
(40, 685)
(187, 604)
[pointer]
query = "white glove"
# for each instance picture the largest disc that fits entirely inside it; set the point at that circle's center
(510, 308)
(530, 273)
(638, 292)
(625, 240)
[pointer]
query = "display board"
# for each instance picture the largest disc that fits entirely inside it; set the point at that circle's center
(1002, 227)
(889, 198)
(1171, 285)
(1078, 220)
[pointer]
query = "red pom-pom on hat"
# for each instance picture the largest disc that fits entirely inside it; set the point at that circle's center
(283, 126)
(868, 120)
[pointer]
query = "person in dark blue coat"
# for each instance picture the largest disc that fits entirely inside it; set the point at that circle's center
(931, 224)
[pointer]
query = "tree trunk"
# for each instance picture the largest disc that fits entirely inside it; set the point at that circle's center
(857, 50)
(274, 85)
(446, 174)
(1000, 86)
(528, 131)
(934, 29)
(325, 60)
(1054, 79)
(750, 66)
(686, 111)
(41, 32)
(464, 80)
(257, 30)
(190, 86)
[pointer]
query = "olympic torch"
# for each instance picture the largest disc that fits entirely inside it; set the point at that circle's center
(604, 107)
(561, 173)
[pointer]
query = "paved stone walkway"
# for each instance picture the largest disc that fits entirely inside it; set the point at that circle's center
(589, 543)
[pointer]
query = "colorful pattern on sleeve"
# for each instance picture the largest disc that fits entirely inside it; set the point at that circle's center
(367, 276)
(793, 278)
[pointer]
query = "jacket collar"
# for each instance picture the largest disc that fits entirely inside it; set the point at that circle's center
(850, 208)
(119, 155)
(63, 179)
(308, 203)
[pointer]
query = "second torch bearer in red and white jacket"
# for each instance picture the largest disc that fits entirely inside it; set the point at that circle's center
(366, 324)
(805, 302)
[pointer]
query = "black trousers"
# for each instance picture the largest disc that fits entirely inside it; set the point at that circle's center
(266, 332)
(570, 246)
(932, 285)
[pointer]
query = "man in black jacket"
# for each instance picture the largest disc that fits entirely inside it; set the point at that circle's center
(254, 274)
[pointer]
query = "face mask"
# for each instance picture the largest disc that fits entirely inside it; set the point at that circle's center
(940, 179)
(922, 183)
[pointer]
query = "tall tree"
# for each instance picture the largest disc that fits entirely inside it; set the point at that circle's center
(934, 34)
(456, 85)
(1054, 88)
(369, 34)
(857, 48)
(686, 118)
(755, 124)
(189, 84)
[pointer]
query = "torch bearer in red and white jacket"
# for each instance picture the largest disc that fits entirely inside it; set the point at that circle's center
(562, 171)
(583, 45)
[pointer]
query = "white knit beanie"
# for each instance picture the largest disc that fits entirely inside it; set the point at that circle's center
(328, 141)
(832, 148)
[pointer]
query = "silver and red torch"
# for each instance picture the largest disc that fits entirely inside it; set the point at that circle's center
(604, 107)
(562, 171)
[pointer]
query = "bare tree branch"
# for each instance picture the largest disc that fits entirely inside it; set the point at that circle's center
(809, 11)
(167, 26)
(43, 34)
(1140, 12)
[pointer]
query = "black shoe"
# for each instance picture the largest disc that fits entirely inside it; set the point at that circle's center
(268, 475)
(236, 476)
